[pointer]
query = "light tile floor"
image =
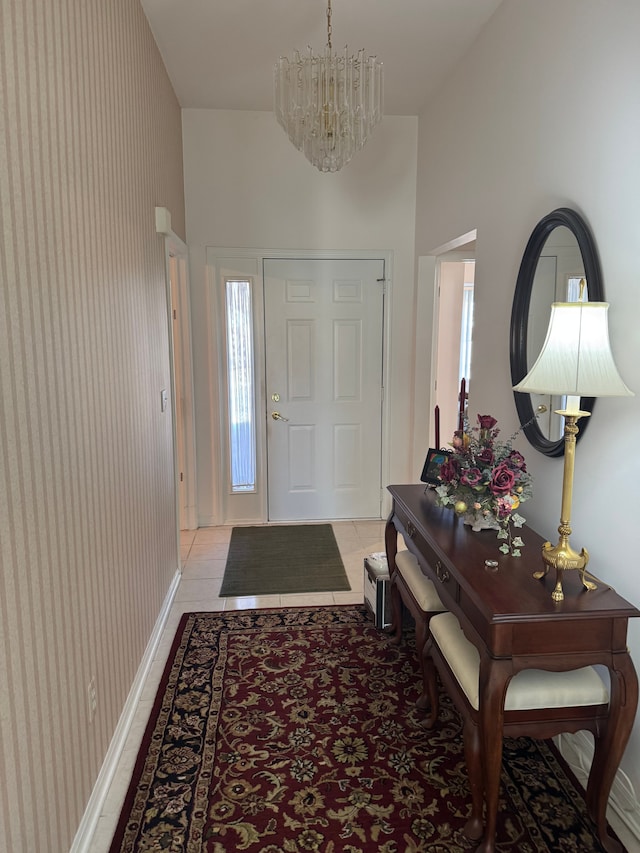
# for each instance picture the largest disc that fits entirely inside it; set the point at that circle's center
(204, 554)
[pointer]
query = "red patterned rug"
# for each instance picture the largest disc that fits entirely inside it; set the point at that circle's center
(285, 731)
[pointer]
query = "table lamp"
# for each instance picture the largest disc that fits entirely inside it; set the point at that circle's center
(575, 362)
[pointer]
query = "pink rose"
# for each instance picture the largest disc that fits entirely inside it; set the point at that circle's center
(486, 456)
(486, 421)
(449, 470)
(502, 480)
(460, 441)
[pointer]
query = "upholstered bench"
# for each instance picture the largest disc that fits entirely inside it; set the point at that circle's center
(410, 586)
(538, 703)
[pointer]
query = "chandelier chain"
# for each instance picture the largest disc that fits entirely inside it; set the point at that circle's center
(329, 30)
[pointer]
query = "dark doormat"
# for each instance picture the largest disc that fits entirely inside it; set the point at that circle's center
(288, 558)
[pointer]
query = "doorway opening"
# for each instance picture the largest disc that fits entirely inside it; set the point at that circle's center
(455, 292)
(444, 339)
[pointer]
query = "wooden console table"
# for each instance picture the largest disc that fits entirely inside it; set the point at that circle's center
(514, 623)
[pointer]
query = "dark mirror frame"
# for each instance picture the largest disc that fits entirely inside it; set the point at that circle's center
(520, 316)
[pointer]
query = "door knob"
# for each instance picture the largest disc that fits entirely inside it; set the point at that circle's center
(278, 417)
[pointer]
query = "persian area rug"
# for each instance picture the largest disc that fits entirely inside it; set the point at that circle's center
(283, 559)
(285, 731)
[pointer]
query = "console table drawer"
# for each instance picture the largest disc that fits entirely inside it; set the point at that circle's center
(431, 564)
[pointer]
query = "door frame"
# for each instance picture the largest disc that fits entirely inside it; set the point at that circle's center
(253, 508)
(180, 359)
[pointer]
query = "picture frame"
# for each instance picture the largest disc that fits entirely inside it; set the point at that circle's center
(431, 470)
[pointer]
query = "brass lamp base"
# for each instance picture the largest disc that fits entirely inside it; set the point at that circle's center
(562, 558)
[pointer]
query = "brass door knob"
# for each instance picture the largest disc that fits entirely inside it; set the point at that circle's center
(278, 417)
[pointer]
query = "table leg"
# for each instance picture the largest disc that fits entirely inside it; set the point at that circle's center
(391, 548)
(473, 828)
(494, 678)
(431, 683)
(611, 743)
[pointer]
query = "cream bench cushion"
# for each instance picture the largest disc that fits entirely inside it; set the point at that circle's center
(529, 689)
(421, 588)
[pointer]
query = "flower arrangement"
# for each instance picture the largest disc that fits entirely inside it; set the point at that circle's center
(486, 481)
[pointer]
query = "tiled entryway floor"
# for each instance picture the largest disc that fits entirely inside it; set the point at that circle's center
(204, 554)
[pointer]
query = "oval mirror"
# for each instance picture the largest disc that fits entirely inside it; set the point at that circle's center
(559, 261)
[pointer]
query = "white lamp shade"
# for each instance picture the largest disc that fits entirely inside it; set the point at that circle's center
(576, 357)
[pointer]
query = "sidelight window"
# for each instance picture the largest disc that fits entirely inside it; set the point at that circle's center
(240, 385)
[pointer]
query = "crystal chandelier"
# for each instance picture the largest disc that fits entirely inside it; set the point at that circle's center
(328, 105)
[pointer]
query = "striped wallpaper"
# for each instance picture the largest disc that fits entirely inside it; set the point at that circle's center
(90, 143)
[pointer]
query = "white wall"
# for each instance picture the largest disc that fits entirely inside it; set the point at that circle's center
(544, 112)
(246, 186)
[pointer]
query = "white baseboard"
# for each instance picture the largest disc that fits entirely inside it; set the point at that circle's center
(84, 835)
(577, 751)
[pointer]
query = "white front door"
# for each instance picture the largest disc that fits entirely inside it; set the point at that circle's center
(323, 333)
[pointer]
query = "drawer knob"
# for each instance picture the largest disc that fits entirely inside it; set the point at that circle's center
(441, 573)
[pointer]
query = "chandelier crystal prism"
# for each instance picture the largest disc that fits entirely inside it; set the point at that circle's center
(328, 105)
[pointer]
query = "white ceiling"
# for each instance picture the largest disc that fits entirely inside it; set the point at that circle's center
(220, 54)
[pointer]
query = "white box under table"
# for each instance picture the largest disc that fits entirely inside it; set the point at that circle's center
(376, 589)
